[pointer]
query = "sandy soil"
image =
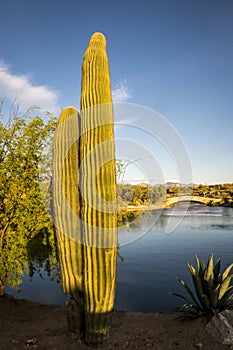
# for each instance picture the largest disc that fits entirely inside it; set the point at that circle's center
(32, 325)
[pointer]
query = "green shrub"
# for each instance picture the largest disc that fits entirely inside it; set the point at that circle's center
(213, 292)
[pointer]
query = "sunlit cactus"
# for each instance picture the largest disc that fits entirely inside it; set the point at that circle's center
(98, 187)
(96, 88)
(67, 207)
(84, 192)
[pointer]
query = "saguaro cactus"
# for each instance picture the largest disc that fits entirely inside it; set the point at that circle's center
(98, 187)
(84, 193)
(67, 211)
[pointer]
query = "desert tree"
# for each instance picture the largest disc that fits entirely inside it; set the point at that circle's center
(23, 142)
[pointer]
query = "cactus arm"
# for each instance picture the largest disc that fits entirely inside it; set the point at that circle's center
(66, 204)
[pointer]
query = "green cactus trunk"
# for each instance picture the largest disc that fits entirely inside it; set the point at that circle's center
(84, 199)
(98, 187)
(66, 204)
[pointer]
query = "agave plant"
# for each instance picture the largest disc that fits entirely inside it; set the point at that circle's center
(213, 289)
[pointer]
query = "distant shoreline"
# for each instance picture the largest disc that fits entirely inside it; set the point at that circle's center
(160, 207)
(143, 207)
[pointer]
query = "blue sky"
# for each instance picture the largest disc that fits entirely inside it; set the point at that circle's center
(172, 56)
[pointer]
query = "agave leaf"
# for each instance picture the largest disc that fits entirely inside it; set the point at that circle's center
(209, 272)
(188, 309)
(196, 279)
(205, 302)
(182, 297)
(198, 263)
(200, 268)
(200, 293)
(208, 286)
(185, 307)
(191, 269)
(213, 294)
(189, 291)
(224, 286)
(217, 271)
(198, 284)
(230, 298)
(226, 272)
(190, 313)
(228, 292)
(226, 306)
(214, 311)
(191, 308)
(188, 303)
(203, 265)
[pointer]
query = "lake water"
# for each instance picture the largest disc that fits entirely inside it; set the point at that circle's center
(153, 258)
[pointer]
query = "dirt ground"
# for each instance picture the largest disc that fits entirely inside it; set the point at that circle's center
(35, 326)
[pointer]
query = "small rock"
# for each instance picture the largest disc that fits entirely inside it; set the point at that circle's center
(221, 329)
(228, 314)
(199, 346)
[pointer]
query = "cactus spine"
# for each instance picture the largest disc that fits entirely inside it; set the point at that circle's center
(98, 185)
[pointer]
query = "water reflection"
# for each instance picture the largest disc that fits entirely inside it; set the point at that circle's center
(148, 273)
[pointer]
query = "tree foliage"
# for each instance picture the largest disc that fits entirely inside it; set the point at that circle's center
(141, 194)
(23, 142)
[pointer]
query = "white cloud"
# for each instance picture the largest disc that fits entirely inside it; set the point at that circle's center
(121, 93)
(20, 88)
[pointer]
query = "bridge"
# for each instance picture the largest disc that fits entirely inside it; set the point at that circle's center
(205, 200)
